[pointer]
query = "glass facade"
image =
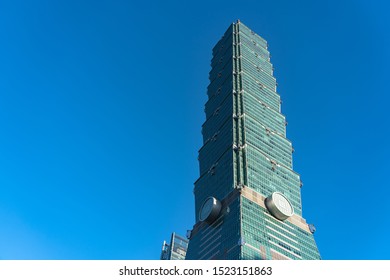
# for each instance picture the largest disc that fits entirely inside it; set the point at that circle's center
(245, 158)
(176, 250)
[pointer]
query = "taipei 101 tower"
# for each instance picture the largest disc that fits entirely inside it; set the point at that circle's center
(248, 197)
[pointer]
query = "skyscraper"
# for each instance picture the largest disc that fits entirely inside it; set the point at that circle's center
(247, 198)
(176, 250)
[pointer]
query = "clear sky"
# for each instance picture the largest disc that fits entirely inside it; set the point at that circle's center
(101, 106)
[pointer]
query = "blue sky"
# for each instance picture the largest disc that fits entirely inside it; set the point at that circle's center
(101, 105)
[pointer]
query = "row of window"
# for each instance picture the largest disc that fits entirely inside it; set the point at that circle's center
(243, 30)
(256, 224)
(263, 115)
(263, 94)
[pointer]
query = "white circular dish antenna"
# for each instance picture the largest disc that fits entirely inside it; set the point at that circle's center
(279, 206)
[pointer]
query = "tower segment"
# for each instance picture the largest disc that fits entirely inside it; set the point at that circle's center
(248, 197)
